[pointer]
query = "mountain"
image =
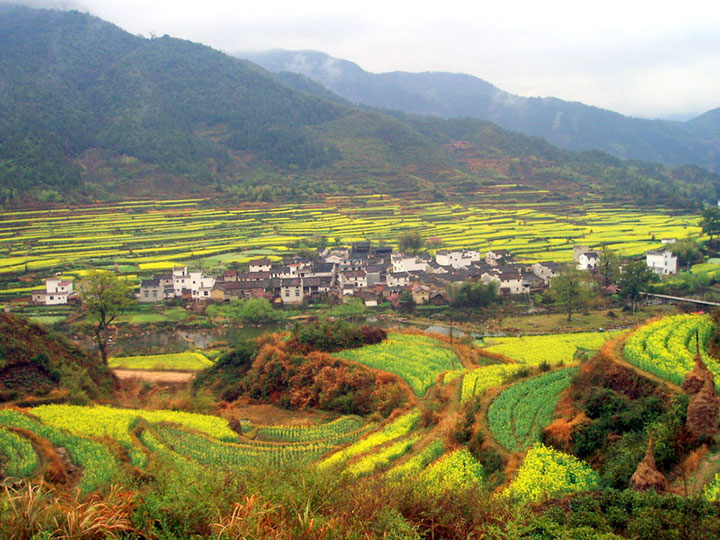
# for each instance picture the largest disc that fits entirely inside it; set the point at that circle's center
(570, 125)
(90, 112)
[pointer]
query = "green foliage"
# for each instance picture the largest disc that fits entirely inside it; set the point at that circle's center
(349, 309)
(105, 297)
(330, 336)
(710, 221)
(252, 310)
(419, 360)
(520, 413)
(571, 289)
(17, 455)
(410, 242)
(472, 294)
(634, 279)
(225, 375)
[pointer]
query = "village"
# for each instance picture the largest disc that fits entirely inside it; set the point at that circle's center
(371, 274)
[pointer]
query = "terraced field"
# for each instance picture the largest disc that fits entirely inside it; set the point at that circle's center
(145, 236)
(666, 347)
(419, 360)
(519, 414)
(93, 435)
(550, 348)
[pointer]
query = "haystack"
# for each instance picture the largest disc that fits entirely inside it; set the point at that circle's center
(702, 413)
(647, 476)
(696, 377)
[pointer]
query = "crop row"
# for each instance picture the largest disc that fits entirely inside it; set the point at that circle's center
(477, 381)
(337, 431)
(98, 465)
(551, 348)
(206, 451)
(382, 457)
(519, 414)
(399, 427)
(667, 348)
(546, 472)
(184, 231)
(99, 421)
(417, 359)
(18, 455)
(454, 471)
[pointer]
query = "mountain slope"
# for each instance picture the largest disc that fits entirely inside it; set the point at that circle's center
(570, 125)
(89, 112)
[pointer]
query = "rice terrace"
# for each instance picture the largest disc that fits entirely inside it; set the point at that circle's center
(156, 235)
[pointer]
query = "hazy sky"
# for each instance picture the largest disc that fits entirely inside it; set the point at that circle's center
(643, 58)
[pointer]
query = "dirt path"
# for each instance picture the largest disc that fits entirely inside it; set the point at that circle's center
(154, 376)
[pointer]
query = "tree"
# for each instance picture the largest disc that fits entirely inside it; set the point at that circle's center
(687, 251)
(710, 221)
(472, 294)
(410, 242)
(406, 303)
(105, 297)
(571, 289)
(608, 266)
(634, 279)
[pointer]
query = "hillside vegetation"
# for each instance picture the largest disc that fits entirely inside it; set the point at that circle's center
(570, 125)
(91, 112)
(35, 363)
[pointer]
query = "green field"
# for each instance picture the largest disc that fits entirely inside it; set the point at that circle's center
(152, 236)
(417, 359)
(183, 361)
(519, 414)
(551, 348)
(667, 348)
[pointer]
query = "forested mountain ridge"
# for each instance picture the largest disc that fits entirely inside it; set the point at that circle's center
(90, 112)
(570, 125)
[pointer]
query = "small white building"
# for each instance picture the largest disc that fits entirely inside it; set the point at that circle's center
(585, 258)
(457, 259)
(291, 291)
(57, 291)
(260, 265)
(402, 263)
(661, 261)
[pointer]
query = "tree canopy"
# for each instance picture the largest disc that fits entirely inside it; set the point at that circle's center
(105, 297)
(571, 289)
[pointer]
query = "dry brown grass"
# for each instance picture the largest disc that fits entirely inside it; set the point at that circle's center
(36, 508)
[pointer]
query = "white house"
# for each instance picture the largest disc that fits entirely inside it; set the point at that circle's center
(457, 259)
(260, 265)
(585, 258)
(402, 263)
(661, 261)
(291, 291)
(57, 291)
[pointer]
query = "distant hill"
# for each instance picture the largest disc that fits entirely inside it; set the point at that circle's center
(90, 112)
(570, 125)
(36, 363)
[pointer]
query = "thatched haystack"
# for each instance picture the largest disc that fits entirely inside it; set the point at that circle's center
(696, 377)
(647, 476)
(702, 413)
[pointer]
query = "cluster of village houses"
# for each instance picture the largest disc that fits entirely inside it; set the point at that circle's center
(370, 273)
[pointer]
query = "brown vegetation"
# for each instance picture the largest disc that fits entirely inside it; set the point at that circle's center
(647, 476)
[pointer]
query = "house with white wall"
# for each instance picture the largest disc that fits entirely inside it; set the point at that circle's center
(661, 261)
(57, 291)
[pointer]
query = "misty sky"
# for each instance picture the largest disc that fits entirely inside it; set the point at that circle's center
(653, 59)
